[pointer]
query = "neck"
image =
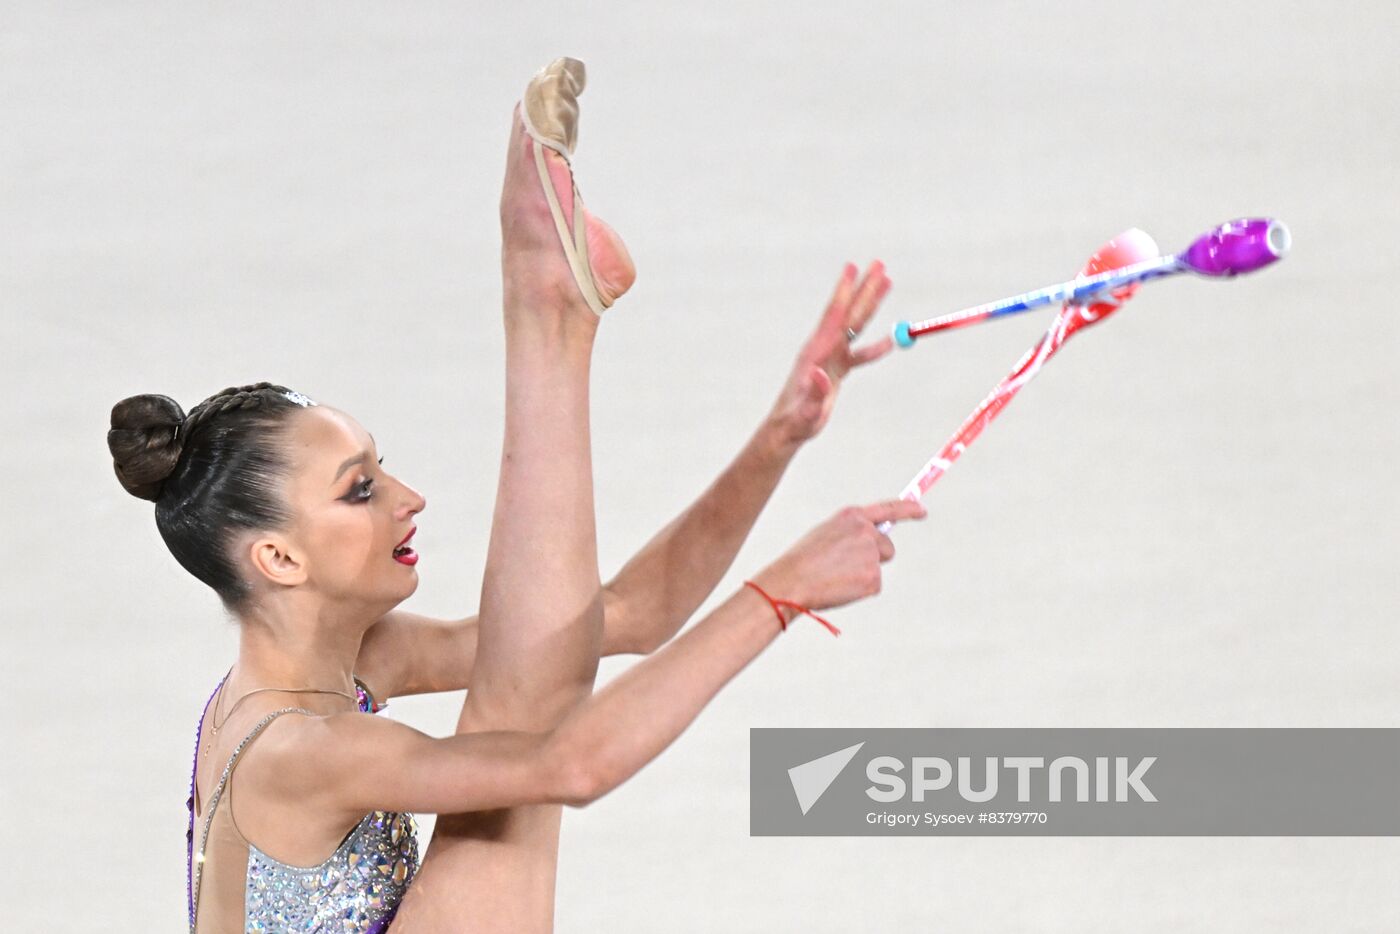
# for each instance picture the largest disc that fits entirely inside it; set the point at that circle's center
(288, 646)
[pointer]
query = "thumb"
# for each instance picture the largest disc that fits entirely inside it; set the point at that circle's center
(816, 387)
(818, 383)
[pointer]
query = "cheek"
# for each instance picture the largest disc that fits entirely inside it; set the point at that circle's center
(346, 543)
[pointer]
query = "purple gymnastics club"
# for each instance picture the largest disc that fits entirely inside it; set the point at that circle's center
(1237, 247)
(1231, 249)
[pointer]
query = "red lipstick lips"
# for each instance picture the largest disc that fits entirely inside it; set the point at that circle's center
(404, 554)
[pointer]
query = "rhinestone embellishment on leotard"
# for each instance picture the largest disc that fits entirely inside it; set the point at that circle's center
(362, 881)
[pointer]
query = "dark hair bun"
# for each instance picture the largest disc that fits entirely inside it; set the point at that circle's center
(144, 442)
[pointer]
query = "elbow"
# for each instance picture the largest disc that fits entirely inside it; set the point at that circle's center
(578, 782)
(645, 643)
(580, 789)
(625, 631)
(648, 639)
(657, 636)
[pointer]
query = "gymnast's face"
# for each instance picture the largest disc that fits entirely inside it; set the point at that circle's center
(349, 515)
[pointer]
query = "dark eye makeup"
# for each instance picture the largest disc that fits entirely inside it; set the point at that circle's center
(361, 493)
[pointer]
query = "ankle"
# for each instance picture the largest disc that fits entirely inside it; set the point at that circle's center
(550, 324)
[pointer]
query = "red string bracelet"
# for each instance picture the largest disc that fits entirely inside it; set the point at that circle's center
(777, 606)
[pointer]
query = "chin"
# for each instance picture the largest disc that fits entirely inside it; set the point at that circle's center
(412, 583)
(378, 604)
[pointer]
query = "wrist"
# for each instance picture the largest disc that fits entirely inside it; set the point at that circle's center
(775, 606)
(786, 610)
(778, 582)
(777, 438)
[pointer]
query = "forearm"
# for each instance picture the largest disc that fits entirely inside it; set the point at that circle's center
(620, 728)
(661, 586)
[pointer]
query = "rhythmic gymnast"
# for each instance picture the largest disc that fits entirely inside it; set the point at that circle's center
(283, 507)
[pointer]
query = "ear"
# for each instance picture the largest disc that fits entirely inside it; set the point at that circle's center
(273, 557)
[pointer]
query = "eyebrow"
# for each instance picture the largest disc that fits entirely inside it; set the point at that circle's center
(357, 459)
(350, 462)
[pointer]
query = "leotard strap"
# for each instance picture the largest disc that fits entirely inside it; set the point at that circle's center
(197, 859)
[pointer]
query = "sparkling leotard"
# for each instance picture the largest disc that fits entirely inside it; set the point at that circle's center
(356, 889)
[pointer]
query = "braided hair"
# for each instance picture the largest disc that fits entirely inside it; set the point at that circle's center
(212, 473)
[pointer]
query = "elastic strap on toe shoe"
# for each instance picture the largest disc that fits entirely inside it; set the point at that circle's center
(575, 242)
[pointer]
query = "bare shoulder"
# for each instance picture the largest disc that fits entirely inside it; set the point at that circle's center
(293, 798)
(312, 758)
(304, 754)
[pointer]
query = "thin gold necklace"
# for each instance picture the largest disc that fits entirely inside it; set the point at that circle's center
(214, 725)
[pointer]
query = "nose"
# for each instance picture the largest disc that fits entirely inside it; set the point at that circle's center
(417, 502)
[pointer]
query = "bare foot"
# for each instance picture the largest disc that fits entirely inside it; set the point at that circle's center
(533, 258)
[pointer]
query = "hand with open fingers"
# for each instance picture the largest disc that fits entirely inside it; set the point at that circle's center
(839, 561)
(805, 402)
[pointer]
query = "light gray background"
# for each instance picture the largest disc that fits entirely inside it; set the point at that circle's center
(1188, 520)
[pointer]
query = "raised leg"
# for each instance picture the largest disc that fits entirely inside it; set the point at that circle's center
(541, 607)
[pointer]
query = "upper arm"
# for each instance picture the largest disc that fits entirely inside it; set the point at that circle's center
(406, 653)
(353, 763)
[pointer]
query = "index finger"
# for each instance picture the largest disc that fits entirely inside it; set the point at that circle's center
(871, 292)
(833, 321)
(894, 510)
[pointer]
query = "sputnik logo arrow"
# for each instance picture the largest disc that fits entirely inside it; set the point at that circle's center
(810, 780)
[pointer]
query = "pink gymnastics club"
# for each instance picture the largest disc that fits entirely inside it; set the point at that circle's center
(1129, 247)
